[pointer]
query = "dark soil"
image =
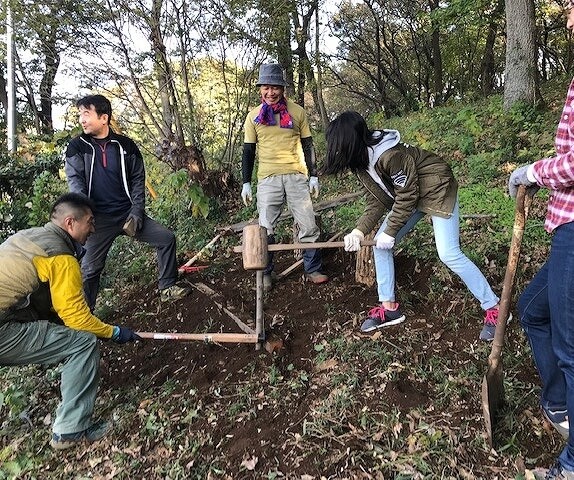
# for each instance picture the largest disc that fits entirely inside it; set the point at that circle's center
(300, 314)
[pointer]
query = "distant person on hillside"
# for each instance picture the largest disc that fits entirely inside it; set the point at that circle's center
(44, 318)
(278, 128)
(108, 168)
(407, 182)
(546, 307)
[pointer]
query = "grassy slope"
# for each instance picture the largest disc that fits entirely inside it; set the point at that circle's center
(483, 144)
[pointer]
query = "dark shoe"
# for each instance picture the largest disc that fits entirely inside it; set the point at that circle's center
(380, 317)
(269, 280)
(62, 441)
(559, 420)
(316, 277)
(557, 472)
(173, 293)
(490, 321)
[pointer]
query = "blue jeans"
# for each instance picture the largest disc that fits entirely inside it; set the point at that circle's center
(446, 235)
(546, 309)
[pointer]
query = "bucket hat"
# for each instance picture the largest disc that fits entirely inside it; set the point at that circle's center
(271, 74)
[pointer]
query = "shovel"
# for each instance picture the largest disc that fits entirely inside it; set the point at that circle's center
(493, 380)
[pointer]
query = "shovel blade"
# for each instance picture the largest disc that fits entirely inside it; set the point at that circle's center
(492, 397)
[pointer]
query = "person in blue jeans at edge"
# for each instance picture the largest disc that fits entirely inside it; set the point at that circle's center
(546, 306)
(407, 182)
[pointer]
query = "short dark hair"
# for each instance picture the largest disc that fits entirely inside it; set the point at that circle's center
(74, 203)
(101, 105)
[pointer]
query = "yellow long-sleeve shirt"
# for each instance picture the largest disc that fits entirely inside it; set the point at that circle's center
(46, 256)
(62, 272)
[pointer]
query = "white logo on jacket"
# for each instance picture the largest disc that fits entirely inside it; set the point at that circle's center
(399, 179)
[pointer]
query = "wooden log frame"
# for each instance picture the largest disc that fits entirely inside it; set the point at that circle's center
(249, 335)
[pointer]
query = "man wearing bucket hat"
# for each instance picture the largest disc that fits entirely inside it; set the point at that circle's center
(278, 128)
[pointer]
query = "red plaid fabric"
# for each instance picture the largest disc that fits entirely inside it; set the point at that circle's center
(557, 172)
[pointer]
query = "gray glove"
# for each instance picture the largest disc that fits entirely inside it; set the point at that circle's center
(520, 177)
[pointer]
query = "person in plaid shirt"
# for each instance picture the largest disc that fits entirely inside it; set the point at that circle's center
(546, 307)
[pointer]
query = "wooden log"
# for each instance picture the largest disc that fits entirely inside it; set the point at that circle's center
(365, 264)
(254, 247)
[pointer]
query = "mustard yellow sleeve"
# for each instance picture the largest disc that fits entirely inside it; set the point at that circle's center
(62, 272)
(250, 134)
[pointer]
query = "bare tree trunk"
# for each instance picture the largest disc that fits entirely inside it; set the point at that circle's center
(320, 101)
(173, 147)
(436, 58)
(52, 62)
(520, 73)
(487, 66)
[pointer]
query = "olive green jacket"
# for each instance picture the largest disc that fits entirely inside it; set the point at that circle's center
(416, 179)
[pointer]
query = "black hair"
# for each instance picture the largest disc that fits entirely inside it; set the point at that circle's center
(348, 138)
(101, 105)
(75, 203)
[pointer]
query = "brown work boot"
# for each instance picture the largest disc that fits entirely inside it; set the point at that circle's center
(316, 277)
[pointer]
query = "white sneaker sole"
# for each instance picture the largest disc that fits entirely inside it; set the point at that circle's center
(390, 323)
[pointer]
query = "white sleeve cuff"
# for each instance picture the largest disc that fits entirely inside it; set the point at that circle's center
(530, 174)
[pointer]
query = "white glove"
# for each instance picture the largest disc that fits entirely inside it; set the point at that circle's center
(353, 240)
(246, 193)
(384, 241)
(314, 186)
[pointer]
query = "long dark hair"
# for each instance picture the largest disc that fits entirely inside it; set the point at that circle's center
(348, 138)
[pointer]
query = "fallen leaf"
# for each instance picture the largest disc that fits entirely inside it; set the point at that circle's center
(326, 365)
(250, 463)
(47, 419)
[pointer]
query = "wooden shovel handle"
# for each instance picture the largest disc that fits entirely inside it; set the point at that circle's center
(206, 337)
(276, 247)
(523, 202)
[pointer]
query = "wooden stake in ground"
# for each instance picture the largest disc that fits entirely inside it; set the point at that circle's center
(365, 266)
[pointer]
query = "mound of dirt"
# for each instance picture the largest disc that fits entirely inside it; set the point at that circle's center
(297, 313)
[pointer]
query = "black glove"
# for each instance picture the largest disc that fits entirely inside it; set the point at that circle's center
(132, 225)
(124, 335)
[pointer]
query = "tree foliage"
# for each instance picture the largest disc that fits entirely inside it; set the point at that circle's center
(182, 74)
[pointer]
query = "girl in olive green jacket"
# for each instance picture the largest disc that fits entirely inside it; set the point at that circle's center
(402, 183)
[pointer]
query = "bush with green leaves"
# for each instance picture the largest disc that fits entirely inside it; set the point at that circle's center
(26, 181)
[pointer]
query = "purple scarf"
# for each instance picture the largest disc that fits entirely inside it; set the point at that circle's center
(267, 112)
